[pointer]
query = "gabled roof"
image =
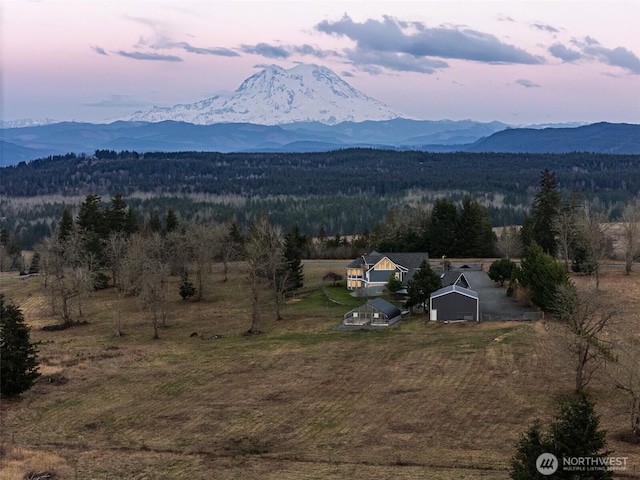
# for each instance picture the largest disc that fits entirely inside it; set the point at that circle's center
(409, 260)
(454, 278)
(454, 289)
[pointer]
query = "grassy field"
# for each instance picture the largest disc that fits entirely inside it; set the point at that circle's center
(300, 401)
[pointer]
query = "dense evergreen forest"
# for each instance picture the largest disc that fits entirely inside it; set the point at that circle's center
(347, 191)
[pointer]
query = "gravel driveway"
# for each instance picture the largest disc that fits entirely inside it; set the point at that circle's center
(493, 298)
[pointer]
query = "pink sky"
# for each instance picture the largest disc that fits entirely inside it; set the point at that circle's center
(516, 62)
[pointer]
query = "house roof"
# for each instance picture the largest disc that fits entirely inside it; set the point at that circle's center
(454, 289)
(409, 260)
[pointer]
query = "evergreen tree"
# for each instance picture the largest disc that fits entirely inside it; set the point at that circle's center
(424, 282)
(502, 270)
(541, 227)
(574, 432)
(474, 233)
(443, 227)
(91, 221)
(90, 216)
(35, 263)
(154, 224)
(66, 225)
(118, 217)
(171, 222)
(18, 356)
(541, 274)
(187, 289)
(393, 284)
(294, 246)
(531, 445)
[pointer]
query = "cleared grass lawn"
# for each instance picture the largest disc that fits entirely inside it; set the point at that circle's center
(422, 400)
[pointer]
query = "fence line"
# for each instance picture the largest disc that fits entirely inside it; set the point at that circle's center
(503, 317)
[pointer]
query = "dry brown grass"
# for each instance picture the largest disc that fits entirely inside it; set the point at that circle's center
(299, 401)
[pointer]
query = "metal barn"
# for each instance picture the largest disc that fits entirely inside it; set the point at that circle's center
(454, 303)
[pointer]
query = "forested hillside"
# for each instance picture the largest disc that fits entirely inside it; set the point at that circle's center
(346, 191)
(351, 171)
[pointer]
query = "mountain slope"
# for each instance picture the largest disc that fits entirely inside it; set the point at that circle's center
(621, 138)
(276, 96)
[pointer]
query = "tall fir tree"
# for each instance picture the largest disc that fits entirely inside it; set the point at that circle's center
(18, 355)
(65, 226)
(574, 432)
(475, 237)
(443, 227)
(541, 275)
(294, 247)
(541, 226)
(424, 282)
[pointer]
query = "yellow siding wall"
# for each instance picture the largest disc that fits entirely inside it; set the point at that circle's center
(384, 264)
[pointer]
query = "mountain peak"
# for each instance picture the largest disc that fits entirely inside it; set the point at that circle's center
(274, 96)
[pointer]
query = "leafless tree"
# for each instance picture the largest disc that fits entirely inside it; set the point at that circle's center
(230, 246)
(591, 228)
(631, 235)
(509, 243)
(153, 292)
(587, 314)
(627, 379)
(115, 251)
(566, 227)
(144, 274)
(264, 249)
(68, 273)
(177, 251)
(201, 241)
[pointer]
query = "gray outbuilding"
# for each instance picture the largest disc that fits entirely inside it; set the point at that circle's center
(376, 312)
(454, 303)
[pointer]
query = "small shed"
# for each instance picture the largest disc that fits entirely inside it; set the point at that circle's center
(454, 303)
(376, 312)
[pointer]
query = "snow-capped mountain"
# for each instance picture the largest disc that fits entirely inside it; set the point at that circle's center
(275, 96)
(26, 122)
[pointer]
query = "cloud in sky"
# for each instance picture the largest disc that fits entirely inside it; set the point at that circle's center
(590, 49)
(527, 83)
(116, 101)
(99, 50)
(223, 52)
(266, 50)
(544, 27)
(563, 53)
(393, 42)
(149, 56)
(617, 57)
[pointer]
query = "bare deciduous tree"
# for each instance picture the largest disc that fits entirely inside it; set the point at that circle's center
(264, 249)
(201, 240)
(566, 227)
(587, 314)
(591, 229)
(68, 273)
(631, 235)
(627, 379)
(509, 243)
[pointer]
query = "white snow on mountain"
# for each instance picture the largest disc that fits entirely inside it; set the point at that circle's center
(26, 122)
(274, 96)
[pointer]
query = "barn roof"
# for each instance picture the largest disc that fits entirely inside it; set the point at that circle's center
(454, 289)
